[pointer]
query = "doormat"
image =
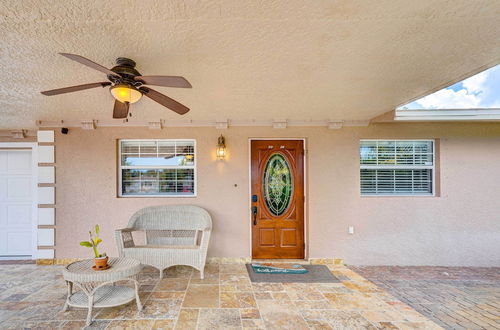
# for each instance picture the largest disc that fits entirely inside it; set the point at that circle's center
(278, 268)
(315, 274)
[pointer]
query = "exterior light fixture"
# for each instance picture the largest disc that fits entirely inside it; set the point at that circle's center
(125, 93)
(221, 148)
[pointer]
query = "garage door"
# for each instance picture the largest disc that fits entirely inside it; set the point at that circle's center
(16, 204)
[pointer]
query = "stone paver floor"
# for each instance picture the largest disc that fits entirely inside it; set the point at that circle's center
(453, 297)
(32, 296)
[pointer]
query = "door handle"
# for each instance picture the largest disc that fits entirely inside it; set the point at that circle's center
(254, 212)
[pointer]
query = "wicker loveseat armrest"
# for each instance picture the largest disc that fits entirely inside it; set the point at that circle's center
(205, 238)
(124, 239)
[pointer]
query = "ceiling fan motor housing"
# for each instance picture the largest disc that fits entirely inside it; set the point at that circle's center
(123, 61)
(125, 67)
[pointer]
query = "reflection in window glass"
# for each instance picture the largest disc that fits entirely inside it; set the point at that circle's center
(157, 167)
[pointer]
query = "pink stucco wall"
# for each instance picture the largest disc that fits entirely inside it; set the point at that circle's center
(461, 226)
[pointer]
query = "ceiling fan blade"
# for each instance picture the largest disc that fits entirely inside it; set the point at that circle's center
(166, 81)
(89, 63)
(75, 88)
(120, 110)
(164, 100)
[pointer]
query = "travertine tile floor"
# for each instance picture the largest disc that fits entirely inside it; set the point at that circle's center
(32, 297)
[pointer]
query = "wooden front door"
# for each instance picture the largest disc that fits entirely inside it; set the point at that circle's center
(277, 169)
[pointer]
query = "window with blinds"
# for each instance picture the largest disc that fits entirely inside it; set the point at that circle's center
(157, 168)
(397, 167)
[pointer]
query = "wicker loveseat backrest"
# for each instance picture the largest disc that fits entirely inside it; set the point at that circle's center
(171, 217)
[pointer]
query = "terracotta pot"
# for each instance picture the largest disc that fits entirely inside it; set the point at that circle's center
(101, 262)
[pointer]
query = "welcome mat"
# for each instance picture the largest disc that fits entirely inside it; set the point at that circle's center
(272, 268)
(315, 274)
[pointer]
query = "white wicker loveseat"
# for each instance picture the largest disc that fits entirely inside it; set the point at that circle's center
(175, 235)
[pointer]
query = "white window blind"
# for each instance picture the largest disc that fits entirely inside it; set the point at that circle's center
(157, 168)
(397, 167)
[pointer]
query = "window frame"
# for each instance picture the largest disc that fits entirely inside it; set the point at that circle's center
(376, 167)
(120, 167)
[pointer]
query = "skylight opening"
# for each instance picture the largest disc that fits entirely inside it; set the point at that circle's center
(481, 91)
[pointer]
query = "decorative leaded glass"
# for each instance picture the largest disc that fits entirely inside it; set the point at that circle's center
(277, 184)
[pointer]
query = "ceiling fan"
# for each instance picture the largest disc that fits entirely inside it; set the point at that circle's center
(127, 85)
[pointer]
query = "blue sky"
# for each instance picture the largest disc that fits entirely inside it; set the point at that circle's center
(479, 91)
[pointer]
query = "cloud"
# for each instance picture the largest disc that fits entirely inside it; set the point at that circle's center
(476, 83)
(479, 91)
(449, 99)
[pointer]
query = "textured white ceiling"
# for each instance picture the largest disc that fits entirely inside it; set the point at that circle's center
(261, 60)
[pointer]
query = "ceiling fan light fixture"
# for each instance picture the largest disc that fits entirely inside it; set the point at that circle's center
(125, 93)
(126, 81)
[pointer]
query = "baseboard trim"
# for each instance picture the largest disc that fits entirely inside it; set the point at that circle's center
(56, 261)
(221, 260)
(326, 261)
(225, 260)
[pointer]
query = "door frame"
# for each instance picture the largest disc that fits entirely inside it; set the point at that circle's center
(34, 208)
(306, 191)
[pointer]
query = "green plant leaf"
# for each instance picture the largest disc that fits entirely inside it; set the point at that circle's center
(86, 244)
(97, 229)
(98, 240)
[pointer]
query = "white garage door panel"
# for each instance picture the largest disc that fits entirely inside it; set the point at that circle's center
(18, 188)
(16, 203)
(19, 215)
(19, 243)
(3, 162)
(3, 187)
(3, 242)
(3, 215)
(19, 162)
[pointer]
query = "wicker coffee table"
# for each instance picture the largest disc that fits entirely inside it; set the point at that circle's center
(98, 288)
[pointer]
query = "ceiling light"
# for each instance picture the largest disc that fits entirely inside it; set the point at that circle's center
(125, 93)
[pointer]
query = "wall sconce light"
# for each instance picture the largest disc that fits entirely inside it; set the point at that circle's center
(221, 148)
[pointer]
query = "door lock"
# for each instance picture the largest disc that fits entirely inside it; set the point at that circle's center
(254, 212)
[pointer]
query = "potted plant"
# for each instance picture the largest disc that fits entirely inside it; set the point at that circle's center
(101, 260)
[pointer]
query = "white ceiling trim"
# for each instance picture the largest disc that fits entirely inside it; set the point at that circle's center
(447, 115)
(17, 134)
(278, 124)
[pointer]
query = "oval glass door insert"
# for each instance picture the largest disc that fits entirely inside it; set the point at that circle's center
(277, 184)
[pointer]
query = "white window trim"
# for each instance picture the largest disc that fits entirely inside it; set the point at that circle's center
(119, 167)
(384, 167)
